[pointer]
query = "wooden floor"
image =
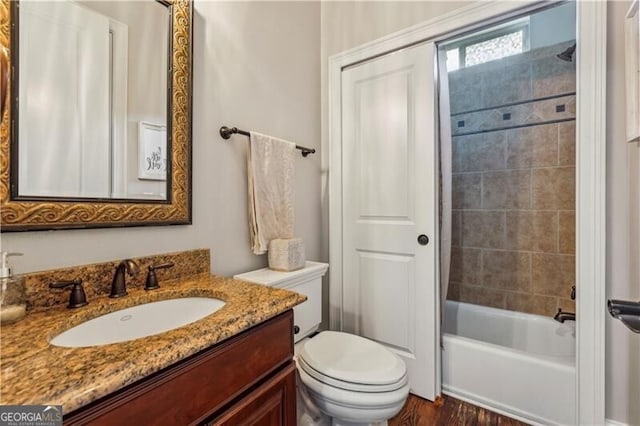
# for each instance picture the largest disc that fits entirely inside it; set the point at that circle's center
(419, 412)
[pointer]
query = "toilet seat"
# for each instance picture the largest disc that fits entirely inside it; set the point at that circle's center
(347, 398)
(349, 386)
(351, 362)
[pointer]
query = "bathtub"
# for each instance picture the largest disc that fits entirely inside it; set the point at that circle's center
(518, 364)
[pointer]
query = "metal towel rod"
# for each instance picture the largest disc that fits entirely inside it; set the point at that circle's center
(226, 133)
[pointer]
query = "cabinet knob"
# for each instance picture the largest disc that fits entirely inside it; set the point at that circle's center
(296, 329)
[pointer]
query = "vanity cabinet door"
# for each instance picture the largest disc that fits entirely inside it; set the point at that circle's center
(271, 404)
(202, 386)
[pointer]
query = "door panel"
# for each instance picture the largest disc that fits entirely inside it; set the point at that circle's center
(387, 280)
(389, 198)
(382, 139)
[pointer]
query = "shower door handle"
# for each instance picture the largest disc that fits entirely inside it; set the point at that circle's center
(423, 240)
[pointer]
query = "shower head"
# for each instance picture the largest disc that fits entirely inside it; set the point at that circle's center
(567, 55)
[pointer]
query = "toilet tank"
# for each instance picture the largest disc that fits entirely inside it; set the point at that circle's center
(307, 316)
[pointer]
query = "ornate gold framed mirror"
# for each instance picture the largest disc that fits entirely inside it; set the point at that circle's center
(66, 127)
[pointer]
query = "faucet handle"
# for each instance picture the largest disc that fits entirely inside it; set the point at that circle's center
(152, 278)
(573, 292)
(77, 297)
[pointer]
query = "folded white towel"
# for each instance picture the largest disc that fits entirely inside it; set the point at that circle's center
(271, 194)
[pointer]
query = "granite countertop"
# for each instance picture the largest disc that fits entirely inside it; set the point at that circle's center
(35, 372)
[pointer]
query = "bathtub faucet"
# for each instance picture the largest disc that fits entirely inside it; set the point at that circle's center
(563, 316)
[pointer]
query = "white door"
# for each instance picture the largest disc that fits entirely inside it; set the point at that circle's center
(389, 198)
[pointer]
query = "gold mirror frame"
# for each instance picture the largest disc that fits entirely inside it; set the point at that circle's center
(39, 215)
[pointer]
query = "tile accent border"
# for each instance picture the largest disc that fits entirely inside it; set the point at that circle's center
(533, 113)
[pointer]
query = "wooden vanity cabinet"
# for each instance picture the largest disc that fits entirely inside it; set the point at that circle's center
(246, 380)
(270, 404)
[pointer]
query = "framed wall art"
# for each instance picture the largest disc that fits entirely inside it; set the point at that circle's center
(152, 153)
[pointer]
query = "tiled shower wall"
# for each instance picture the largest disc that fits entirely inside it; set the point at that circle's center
(513, 124)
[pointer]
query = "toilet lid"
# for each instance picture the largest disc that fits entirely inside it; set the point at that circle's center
(350, 358)
(350, 386)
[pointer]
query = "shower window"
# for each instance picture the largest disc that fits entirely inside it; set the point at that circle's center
(496, 48)
(495, 43)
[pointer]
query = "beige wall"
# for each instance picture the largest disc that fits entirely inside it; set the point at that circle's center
(623, 220)
(256, 66)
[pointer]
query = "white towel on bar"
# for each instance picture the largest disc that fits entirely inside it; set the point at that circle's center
(271, 194)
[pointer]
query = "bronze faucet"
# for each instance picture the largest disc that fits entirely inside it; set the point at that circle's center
(152, 278)
(77, 298)
(118, 287)
(564, 316)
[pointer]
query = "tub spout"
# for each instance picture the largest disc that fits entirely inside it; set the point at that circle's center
(563, 316)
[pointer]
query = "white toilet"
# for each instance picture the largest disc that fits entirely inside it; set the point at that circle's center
(353, 380)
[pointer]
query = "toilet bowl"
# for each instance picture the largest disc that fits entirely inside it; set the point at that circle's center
(351, 379)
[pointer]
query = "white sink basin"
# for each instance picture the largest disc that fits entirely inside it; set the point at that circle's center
(138, 321)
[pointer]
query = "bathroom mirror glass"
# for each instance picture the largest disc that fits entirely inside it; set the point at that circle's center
(97, 128)
(92, 100)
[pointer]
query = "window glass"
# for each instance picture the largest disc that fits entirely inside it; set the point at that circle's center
(488, 45)
(453, 59)
(495, 48)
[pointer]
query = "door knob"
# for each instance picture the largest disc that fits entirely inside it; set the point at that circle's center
(423, 240)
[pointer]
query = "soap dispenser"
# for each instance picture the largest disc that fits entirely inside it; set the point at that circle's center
(13, 299)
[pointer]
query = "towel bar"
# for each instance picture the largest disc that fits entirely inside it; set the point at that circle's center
(226, 133)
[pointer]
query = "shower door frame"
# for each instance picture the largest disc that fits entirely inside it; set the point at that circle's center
(590, 171)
